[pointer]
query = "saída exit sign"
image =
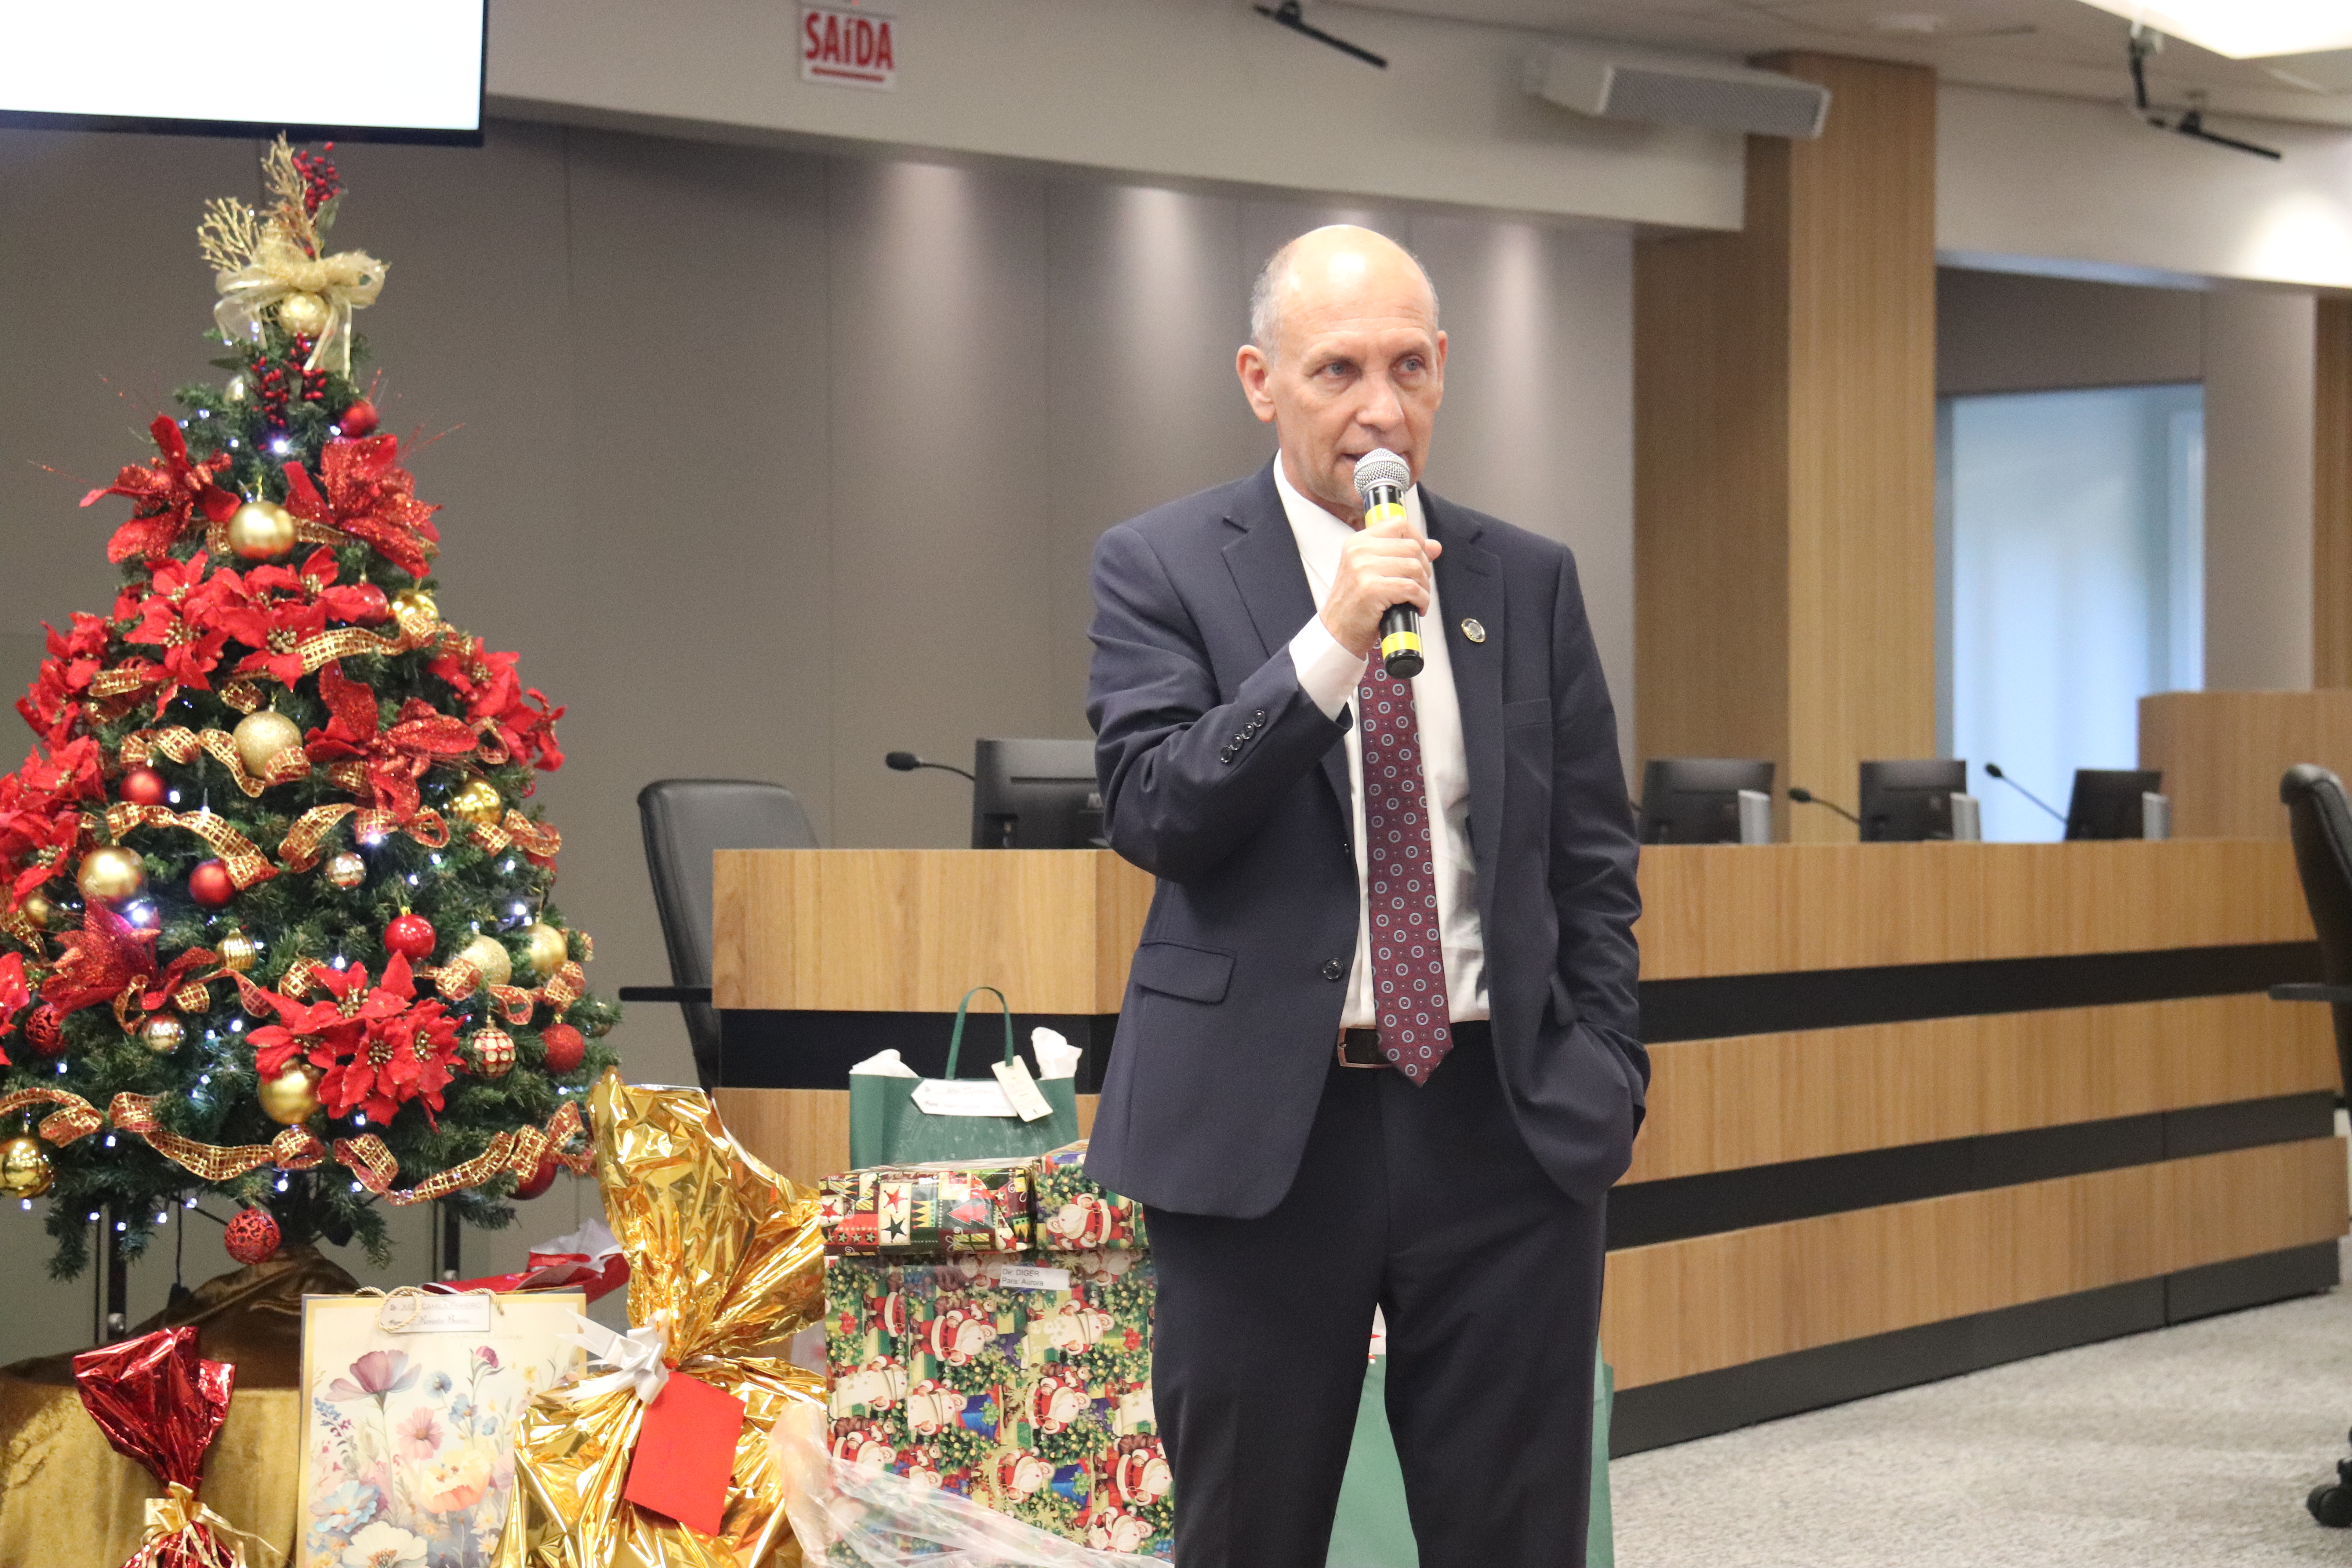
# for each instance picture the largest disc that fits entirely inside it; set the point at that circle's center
(848, 49)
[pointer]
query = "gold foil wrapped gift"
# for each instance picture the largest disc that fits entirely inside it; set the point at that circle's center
(725, 1258)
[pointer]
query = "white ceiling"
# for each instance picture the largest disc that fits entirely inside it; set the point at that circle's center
(2060, 46)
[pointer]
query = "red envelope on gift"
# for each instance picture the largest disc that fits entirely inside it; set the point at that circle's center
(686, 1453)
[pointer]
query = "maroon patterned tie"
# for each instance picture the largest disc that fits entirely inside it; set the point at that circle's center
(1408, 958)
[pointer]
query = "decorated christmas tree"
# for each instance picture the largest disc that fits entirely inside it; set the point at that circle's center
(273, 918)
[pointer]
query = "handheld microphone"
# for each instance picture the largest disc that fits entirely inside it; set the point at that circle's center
(906, 762)
(1804, 797)
(1381, 479)
(1992, 769)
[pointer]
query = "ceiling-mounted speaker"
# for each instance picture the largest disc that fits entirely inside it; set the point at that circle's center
(1621, 85)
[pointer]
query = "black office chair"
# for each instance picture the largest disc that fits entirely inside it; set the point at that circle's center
(685, 820)
(2319, 819)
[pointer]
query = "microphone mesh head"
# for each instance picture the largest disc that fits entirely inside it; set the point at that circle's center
(1380, 466)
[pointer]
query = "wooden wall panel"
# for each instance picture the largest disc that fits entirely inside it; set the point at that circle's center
(1746, 909)
(1714, 1301)
(2331, 496)
(1784, 451)
(1862, 427)
(2221, 752)
(1722, 1105)
(804, 1133)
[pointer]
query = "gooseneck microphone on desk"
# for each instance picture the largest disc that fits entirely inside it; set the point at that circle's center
(1381, 478)
(906, 762)
(1992, 769)
(1804, 797)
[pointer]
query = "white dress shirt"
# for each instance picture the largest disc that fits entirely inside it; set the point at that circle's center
(1331, 675)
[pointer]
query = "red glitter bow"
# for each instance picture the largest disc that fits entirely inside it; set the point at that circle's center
(370, 497)
(167, 495)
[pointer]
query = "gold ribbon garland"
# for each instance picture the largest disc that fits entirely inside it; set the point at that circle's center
(296, 1148)
(74, 1117)
(306, 840)
(183, 744)
(519, 1151)
(246, 864)
(535, 839)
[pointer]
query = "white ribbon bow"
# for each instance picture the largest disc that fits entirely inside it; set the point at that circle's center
(635, 1358)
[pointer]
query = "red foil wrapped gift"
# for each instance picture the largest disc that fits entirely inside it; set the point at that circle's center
(161, 1402)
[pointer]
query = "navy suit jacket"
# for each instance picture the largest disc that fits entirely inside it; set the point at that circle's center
(1222, 779)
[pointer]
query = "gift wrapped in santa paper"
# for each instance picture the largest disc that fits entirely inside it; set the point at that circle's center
(1019, 1379)
(1072, 1212)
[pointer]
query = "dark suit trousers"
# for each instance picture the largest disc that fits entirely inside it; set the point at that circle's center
(1426, 1202)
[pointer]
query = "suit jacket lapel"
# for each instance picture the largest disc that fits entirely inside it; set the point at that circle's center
(1271, 582)
(1470, 587)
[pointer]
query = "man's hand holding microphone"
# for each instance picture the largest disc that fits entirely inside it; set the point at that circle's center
(1382, 585)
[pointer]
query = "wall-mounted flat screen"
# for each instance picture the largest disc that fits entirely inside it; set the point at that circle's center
(404, 72)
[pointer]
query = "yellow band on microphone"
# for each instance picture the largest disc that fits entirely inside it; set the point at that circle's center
(1396, 643)
(1384, 511)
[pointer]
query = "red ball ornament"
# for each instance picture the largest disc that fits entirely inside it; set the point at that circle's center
(252, 1237)
(369, 604)
(210, 884)
(359, 418)
(144, 786)
(565, 1047)
(540, 1180)
(411, 936)
(45, 1031)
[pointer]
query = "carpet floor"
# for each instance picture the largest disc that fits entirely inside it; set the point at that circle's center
(2189, 1445)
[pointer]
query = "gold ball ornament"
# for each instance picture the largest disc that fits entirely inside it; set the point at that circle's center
(162, 1034)
(304, 314)
(545, 948)
(240, 953)
(478, 805)
(489, 955)
(493, 1052)
(346, 870)
(25, 1168)
(260, 737)
(37, 909)
(261, 531)
(292, 1097)
(235, 391)
(415, 601)
(110, 874)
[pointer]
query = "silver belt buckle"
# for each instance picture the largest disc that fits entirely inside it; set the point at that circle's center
(1341, 1049)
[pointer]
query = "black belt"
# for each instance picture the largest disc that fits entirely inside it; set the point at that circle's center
(1361, 1047)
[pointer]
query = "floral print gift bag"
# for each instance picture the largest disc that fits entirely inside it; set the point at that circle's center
(408, 1425)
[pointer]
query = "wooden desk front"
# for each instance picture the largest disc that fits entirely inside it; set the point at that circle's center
(1914, 1106)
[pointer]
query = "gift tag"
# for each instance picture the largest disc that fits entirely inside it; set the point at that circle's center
(1031, 1277)
(1021, 1090)
(962, 1097)
(686, 1453)
(467, 1314)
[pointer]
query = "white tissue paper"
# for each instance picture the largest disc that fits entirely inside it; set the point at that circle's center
(1056, 1058)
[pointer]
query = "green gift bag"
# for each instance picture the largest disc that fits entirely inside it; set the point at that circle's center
(1373, 1530)
(889, 1126)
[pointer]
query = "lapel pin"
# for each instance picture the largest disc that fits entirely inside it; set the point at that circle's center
(1472, 629)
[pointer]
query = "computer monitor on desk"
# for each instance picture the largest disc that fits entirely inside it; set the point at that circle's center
(1035, 795)
(2113, 802)
(1696, 800)
(1909, 801)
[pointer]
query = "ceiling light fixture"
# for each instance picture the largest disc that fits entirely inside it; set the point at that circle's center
(1288, 15)
(2243, 29)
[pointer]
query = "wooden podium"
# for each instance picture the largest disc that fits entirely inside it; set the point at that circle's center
(1915, 1108)
(842, 952)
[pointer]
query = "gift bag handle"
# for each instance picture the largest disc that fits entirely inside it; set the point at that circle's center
(955, 1041)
